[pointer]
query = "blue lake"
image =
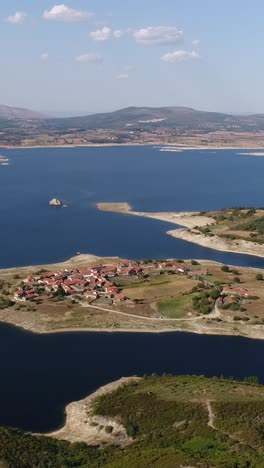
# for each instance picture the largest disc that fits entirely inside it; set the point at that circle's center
(40, 374)
(33, 233)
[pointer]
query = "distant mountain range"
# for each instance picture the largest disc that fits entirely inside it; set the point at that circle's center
(179, 118)
(7, 112)
(132, 125)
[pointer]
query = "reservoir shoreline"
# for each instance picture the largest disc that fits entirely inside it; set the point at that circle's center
(190, 220)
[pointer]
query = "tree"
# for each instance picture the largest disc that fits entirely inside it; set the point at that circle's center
(215, 293)
(236, 279)
(225, 268)
(59, 293)
(259, 276)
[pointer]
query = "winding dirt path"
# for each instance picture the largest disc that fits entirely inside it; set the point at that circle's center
(211, 415)
(142, 317)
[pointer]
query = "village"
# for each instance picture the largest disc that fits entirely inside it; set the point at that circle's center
(93, 283)
(106, 284)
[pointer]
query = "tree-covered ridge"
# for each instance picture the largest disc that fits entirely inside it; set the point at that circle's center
(174, 421)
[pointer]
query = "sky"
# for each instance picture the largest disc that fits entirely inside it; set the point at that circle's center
(86, 56)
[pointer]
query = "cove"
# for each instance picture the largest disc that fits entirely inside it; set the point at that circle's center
(41, 374)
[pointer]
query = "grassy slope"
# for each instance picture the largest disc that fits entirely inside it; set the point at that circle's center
(239, 223)
(176, 307)
(168, 418)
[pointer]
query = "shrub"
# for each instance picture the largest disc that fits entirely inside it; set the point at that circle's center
(259, 276)
(215, 293)
(132, 430)
(109, 429)
(235, 272)
(194, 262)
(236, 279)
(225, 268)
(234, 306)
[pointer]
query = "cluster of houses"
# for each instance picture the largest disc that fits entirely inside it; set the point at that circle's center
(92, 283)
(231, 295)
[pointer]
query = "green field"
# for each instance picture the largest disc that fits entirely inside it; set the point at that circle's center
(176, 307)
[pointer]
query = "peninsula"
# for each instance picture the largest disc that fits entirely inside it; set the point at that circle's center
(157, 421)
(238, 230)
(89, 293)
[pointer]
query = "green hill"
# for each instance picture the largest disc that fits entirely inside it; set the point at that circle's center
(152, 117)
(174, 421)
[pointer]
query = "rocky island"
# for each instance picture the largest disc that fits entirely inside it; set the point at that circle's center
(55, 202)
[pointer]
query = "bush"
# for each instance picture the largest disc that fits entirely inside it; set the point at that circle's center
(235, 272)
(225, 268)
(236, 279)
(109, 429)
(194, 262)
(215, 293)
(259, 276)
(234, 306)
(252, 379)
(5, 303)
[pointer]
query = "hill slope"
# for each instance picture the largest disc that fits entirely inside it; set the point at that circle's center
(7, 112)
(174, 421)
(166, 117)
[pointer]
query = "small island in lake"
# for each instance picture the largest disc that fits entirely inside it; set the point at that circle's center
(55, 202)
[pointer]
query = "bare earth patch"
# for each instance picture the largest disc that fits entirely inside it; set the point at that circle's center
(84, 426)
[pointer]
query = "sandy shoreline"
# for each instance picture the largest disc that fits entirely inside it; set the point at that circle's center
(201, 327)
(186, 221)
(82, 425)
(171, 147)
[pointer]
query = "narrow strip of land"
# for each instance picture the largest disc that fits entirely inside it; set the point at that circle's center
(192, 227)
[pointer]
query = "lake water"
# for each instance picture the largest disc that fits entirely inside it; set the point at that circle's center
(40, 374)
(33, 233)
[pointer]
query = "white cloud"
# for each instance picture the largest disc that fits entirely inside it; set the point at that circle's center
(105, 34)
(18, 18)
(101, 35)
(129, 67)
(196, 42)
(64, 13)
(122, 76)
(90, 58)
(179, 56)
(118, 33)
(156, 35)
(44, 57)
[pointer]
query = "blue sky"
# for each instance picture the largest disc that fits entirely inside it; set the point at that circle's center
(101, 55)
